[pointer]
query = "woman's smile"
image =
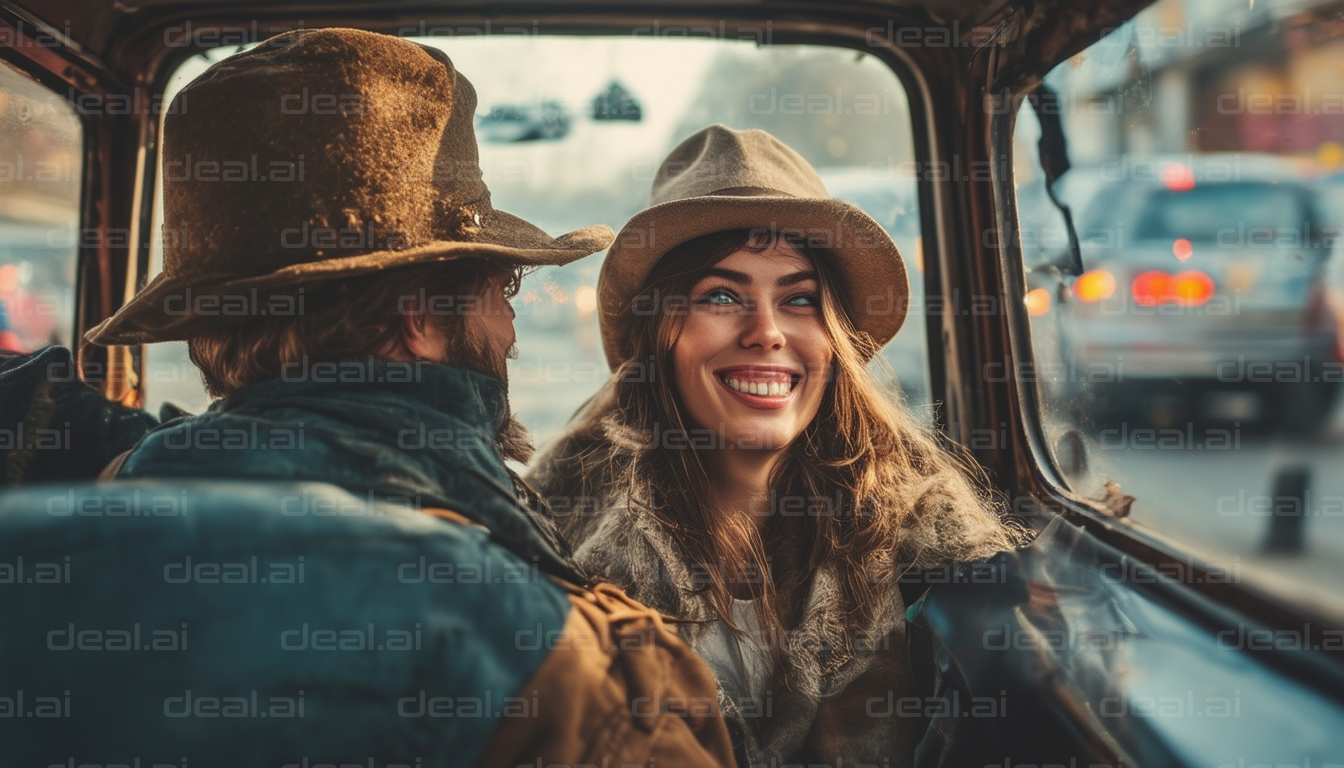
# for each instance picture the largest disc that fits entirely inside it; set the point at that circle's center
(765, 387)
(752, 356)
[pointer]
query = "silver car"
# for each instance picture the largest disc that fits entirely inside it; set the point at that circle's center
(1203, 296)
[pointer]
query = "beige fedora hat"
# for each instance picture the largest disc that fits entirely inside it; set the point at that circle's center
(321, 154)
(721, 179)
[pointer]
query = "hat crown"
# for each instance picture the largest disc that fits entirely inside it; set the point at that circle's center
(721, 161)
(720, 180)
(321, 154)
(319, 143)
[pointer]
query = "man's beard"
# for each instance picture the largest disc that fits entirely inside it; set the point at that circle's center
(473, 351)
(515, 442)
(512, 438)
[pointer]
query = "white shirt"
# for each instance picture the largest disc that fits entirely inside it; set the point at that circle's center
(742, 664)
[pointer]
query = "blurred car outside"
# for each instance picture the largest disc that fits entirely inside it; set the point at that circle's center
(1203, 293)
(524, 122)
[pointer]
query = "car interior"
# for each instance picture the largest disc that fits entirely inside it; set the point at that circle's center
(1121, 221)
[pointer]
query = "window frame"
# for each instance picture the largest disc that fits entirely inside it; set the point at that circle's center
(1213, 603)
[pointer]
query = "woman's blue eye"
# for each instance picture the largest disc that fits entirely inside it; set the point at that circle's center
(720, 296)
(804, 300)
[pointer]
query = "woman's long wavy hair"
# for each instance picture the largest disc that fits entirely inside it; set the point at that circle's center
(856, 473)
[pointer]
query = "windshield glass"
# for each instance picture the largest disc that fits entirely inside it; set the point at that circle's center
(571, 133)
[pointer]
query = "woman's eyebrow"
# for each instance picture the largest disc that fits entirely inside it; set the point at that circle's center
(796, 277)
(729, 274)
(745, 279)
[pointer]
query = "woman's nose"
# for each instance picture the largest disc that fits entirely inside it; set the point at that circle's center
(762, 330)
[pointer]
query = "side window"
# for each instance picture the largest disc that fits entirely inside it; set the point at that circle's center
(571, 133)
(1194, 355)
(41, 156)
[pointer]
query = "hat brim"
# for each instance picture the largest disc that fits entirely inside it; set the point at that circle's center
(876, 286)
(169, 308)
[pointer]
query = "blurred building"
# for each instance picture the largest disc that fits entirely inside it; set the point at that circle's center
(1212, 76)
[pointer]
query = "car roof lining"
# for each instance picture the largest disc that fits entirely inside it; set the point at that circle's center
(1045, 32)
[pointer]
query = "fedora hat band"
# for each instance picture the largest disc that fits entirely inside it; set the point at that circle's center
(750, 192)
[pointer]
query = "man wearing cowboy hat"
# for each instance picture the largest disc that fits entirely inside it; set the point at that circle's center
(348, 304)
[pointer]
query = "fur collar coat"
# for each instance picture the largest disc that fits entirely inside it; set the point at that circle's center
(831, 700)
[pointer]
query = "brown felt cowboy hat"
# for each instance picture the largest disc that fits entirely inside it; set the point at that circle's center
(722, 179)
(321, 154)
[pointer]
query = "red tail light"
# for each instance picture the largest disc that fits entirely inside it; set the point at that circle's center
(1189, 289)
(1151, 288)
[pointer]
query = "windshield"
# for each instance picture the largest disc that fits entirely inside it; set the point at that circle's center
(571, 133)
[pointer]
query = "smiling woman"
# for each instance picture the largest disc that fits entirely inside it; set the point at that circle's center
(744, 472)
(752, 355)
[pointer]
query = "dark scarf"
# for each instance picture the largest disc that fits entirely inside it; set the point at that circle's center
(418, 434)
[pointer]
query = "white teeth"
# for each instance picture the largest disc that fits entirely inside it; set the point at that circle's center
(771, 389)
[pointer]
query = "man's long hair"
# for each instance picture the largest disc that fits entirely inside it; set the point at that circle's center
(359, 318)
